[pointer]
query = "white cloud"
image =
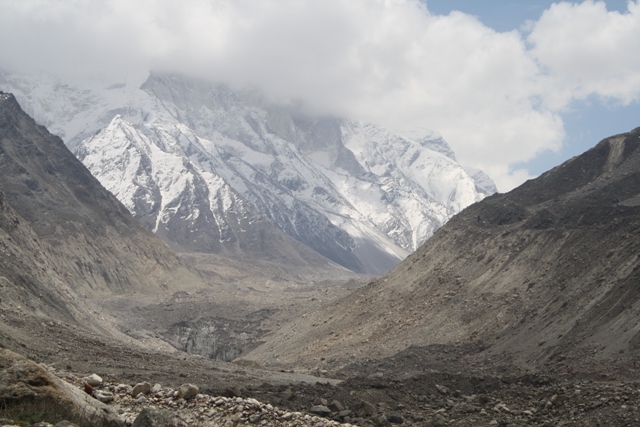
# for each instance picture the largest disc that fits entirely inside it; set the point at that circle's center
(588, 50)
(496, 97)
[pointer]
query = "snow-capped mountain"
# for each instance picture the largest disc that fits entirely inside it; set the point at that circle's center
(207, 167)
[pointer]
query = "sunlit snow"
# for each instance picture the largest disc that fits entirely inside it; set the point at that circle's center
(151, 145)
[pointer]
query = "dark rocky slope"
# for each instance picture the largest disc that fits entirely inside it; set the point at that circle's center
(90, 238)
(544, 277)
(27, 278)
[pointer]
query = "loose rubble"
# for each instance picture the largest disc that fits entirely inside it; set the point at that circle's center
(436, 399)
(441, 399)
(198, 409)
(529, 402)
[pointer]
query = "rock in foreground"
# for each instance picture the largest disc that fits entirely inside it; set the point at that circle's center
(27, 387)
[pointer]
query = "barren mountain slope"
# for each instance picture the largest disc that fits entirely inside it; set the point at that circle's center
(547, 273)
(28, 279)
(89, 236)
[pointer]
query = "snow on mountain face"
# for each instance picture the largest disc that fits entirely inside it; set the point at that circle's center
(161, 188)
(420, 189)
(484, 184)
(201, 164)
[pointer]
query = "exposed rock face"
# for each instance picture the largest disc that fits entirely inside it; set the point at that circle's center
(545, 273)
(26, 385)
(220, 339)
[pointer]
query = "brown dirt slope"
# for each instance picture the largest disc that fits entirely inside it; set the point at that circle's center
(545, 274)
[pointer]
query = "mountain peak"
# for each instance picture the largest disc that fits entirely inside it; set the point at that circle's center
(7, 96)
(189, 156)
(9, 105)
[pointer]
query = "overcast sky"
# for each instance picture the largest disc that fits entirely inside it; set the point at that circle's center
(515, 87)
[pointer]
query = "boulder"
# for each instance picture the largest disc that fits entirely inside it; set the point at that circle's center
(187, 391)
(144, 388)
(26, 387)
(152, 417)
(364, 409)
(336, 406)
(93, 380)
(321, 410)
(345, 413)
(103, 396)
(395, 419)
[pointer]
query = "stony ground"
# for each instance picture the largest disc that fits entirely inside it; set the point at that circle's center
(450, 387)
(197, 409)
(427, 399)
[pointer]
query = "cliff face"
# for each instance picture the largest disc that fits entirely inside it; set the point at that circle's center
(546, 273)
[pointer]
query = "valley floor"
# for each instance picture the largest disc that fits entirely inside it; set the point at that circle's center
(431, 386)
(439, 389)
